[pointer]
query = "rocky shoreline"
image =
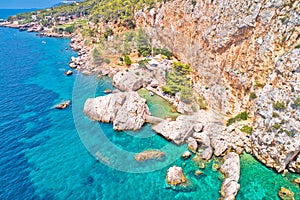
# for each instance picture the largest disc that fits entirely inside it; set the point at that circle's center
(204, 131)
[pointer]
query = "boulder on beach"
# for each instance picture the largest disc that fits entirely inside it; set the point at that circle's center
(150, 155)
(175, 176)
(127, 111)
(63, 105)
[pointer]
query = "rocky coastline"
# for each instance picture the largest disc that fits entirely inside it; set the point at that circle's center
(204, 131)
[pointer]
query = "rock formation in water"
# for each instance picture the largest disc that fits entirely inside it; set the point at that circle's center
(245, 56)
(231, 169)
(127, 111)
(175, 176)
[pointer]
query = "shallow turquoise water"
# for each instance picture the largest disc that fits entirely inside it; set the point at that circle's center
(48, 153)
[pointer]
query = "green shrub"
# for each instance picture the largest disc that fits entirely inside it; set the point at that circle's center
(243, 116)
(178, 80)
(253, 95)
(201, 102)
(143, 63)
(166, 90)
(127, 60)
(70, 28)
(297, 102)
(164, 52)
(289, 133)
(143, 44)
(239, 117)
(279, 105)
(297, 46)
(108, 33)
(276, 115)
(106, 60)
(276, 126)
(246, 129)
(97, 58)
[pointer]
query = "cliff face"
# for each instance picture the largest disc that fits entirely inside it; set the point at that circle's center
(237, 48)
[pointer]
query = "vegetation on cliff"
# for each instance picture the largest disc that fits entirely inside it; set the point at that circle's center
(94, 10)
(178, 80)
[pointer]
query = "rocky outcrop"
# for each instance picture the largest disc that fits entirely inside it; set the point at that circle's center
(186, 155)
(150, 155)
(175, 176)
(177, 131)
(204, 146)
(228, 138)
(285, 194)
(294, 165)
(127, 111)
(132, 80)
(231, 169)
(192, 144)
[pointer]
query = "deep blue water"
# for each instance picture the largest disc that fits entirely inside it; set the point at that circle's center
(48, 154)
(5, 13)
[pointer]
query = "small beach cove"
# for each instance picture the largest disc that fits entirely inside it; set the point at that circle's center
(51, 158)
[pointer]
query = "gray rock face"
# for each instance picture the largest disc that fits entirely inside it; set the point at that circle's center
(186, 155)
(175, 176)
(235, 48)
(231, 169)
(127, 111)
(276, 138)
(177, 131)
(204, 146)
(294, 165)
(192, 144)
(131, 80)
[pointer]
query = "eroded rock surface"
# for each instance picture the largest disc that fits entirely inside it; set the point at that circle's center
(127, 111)
(175, 176)
(177, 131)
(231, 169)
(239, 48)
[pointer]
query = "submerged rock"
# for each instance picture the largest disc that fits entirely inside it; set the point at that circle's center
(175, 176)
(127, 111)
(150, 155)
(285, 194)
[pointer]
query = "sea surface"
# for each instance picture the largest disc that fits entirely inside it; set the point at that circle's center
(50, 154)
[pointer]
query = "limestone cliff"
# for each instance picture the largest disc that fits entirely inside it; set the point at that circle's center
(238, 50)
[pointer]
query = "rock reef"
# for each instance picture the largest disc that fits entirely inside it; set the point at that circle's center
(154, 154)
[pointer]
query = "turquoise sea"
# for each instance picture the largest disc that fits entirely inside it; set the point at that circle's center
(49, 154)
